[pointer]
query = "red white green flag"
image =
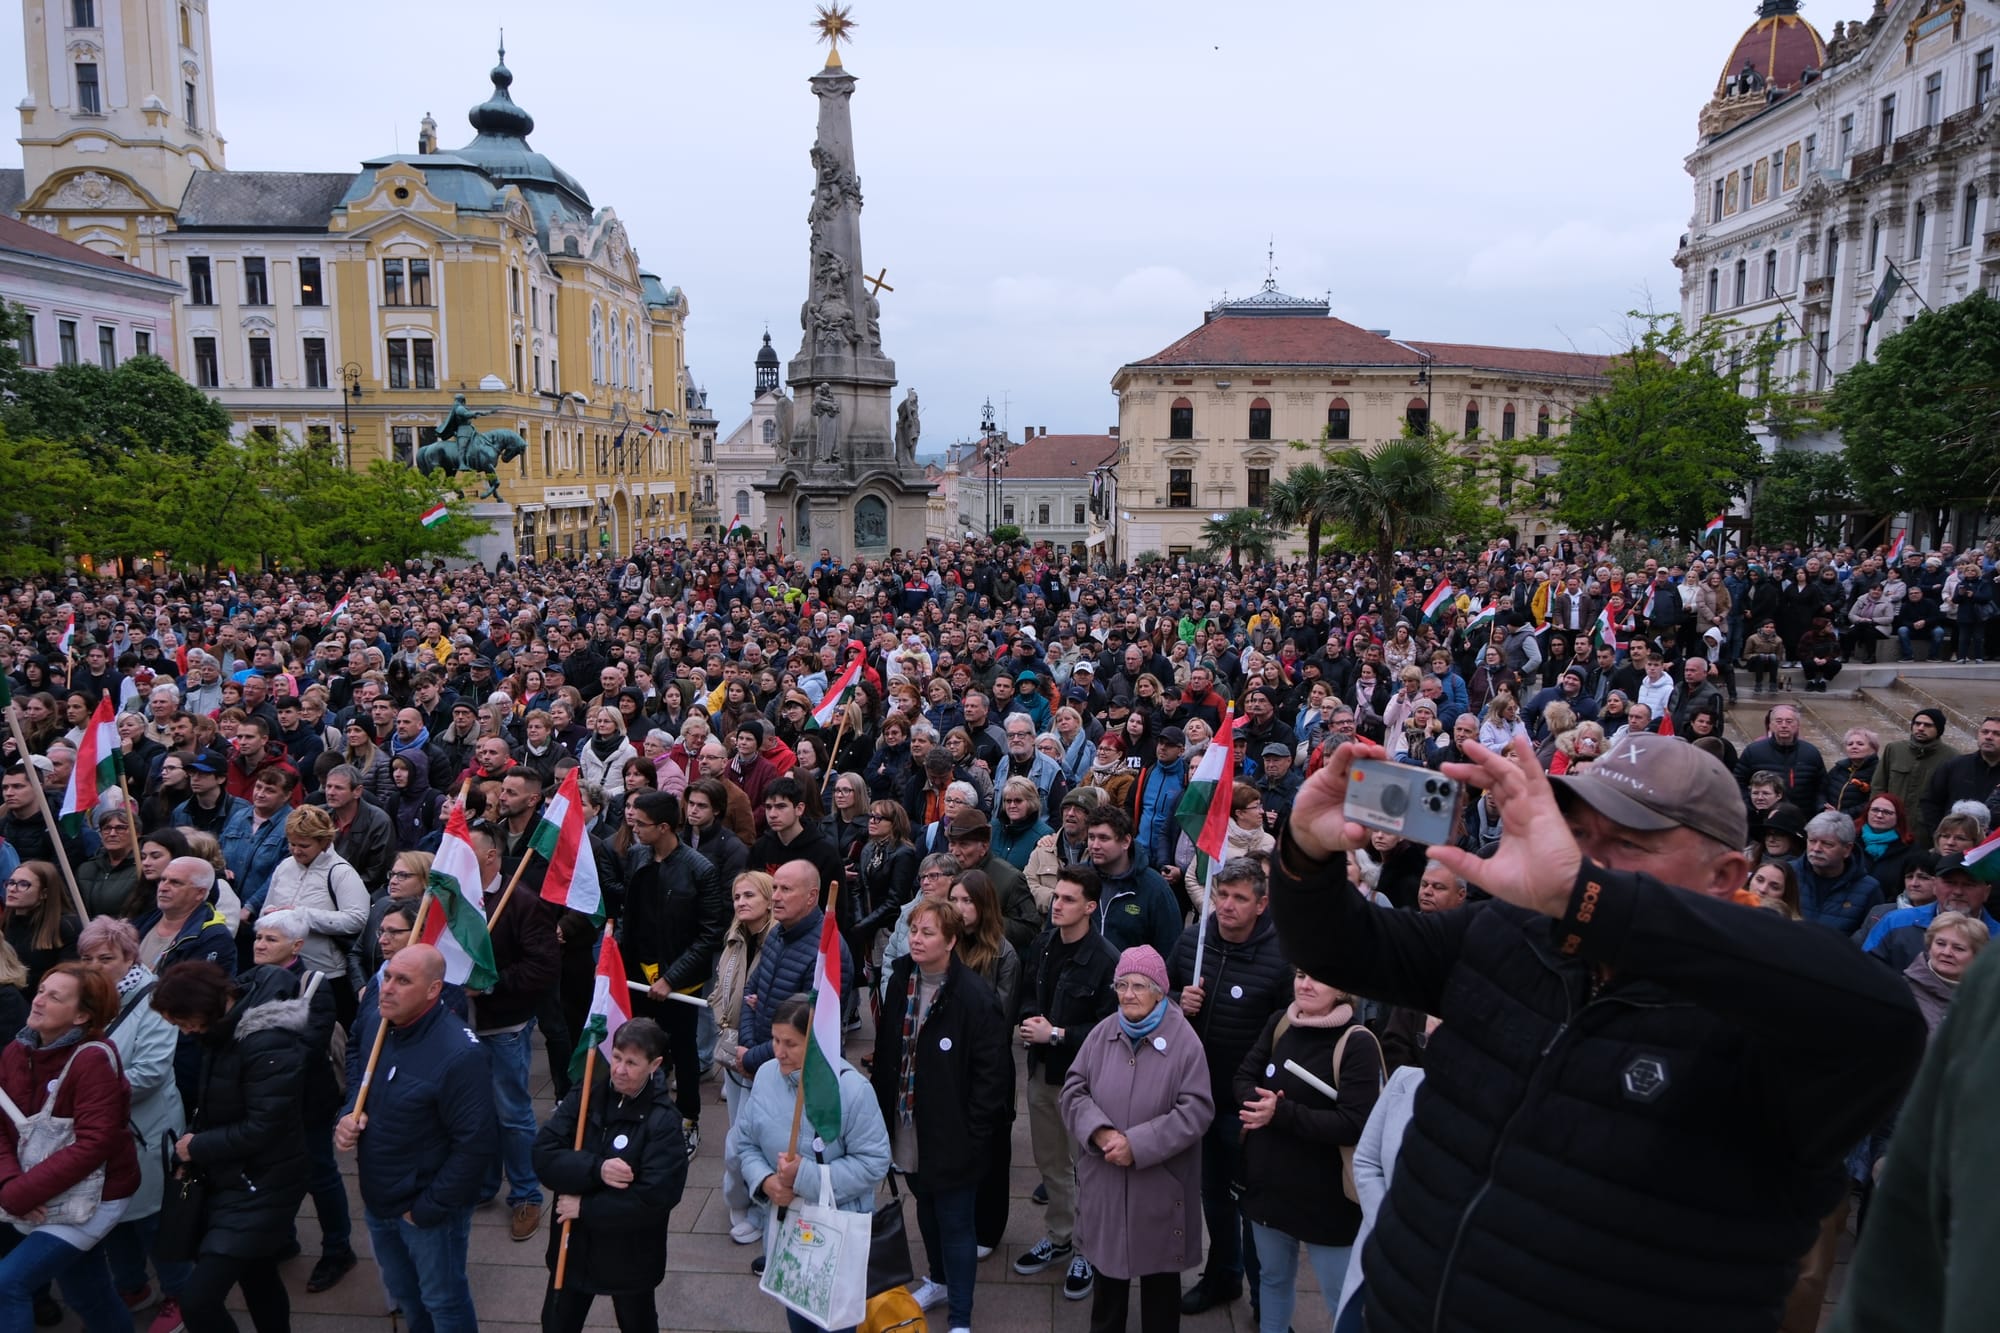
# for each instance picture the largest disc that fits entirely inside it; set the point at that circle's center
(1433, 604)
(837, 695)
(1606, 629)
(1203, 814)
(68, 640)
(1984, 861)
(571, 880)
(610, 1007)
(96, 770)
(435, 515)
(455, 922)
(821, 1082)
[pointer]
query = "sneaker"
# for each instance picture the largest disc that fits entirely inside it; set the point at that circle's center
(692, 1133)
(527, 1218)
(1044, 1254)
(1082, 1277)
(145, 1298)
(757, 1265)
(1040, 1196)
(1209, 1293)
(982, 1252)
(168, 1320)
(331, 1267)
(746, 1233)
(928, 1294)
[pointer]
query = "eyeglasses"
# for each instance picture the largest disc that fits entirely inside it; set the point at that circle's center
(874, 815)
(22, 884)
(403, 874)
(1132, 987)
(387, 929)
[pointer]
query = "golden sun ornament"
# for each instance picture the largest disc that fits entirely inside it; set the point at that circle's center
(835, 24)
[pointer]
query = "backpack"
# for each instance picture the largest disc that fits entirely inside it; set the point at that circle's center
(1339, 1051)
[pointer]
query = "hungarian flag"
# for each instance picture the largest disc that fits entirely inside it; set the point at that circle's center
(1203, 812)
(339, 608)
(736, 525)
(571, 880)
(454, 924)
(1439, 599)
(1714, 526)
(837, 695)
(96, 771)
(1896, 547)
(610, 1006)
(1606, 631)
(435, 515)
(1666, 727)
(1984, 861)
(68, 634)
(821, 1083)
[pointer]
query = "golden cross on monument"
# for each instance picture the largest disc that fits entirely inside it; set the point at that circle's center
(835, 25)
(877, 283)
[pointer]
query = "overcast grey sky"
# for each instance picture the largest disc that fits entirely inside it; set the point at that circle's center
(1056, 188)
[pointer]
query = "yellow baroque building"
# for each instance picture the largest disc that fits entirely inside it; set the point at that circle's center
(351, 306)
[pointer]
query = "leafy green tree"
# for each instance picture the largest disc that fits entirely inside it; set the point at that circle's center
(1921, 422)
(1400, 495)
(1298, 499)
(1801, 498)
(141, 405)
(1239, 532)
(1668, 444)
(41, 482)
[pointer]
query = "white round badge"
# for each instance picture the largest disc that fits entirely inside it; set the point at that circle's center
(1159, 1043)
(819, 1144)
(1270, 1071)
(944, 1043)
(1235, 992)
(618, 1144)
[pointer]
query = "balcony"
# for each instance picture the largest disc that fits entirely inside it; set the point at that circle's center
(1819, 291)
(1862, 163)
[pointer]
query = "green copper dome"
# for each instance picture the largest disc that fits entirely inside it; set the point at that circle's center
(501, 148)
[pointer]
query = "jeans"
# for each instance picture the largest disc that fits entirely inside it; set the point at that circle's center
(511, 1053)
(34, 1260)
(329, 1192)
(944, 1219)
(1231, 1253)
(263, 1295)
(127, 1249)
(679, 1020)
(423, 1269)
(1278, 1255)
(1935, 634)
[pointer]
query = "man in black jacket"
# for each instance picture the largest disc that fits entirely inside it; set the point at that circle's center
(1244, 979)
(1628, 1059)
(362, 833)
(789, 836)
(1065, 992)
(1969, 777)
(676, 912)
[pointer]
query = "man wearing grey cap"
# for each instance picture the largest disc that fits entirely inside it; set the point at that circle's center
(1637, 1107)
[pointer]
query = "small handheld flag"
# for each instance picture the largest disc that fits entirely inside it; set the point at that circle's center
(1896, 547)
(1435, 603)
(68, 640)
(837, 695)
(96, 769)
(610, 1006)
(1714, 527)
(433, 516)
(456, 927)
(819, 1081)
(571, 880)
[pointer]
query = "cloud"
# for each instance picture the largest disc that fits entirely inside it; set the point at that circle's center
(1576, 253)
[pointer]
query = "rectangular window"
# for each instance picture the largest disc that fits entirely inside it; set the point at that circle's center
(420, 282)
(1770, 274)
(83, 13)
(1742, 281)
(1180, 421)
(87, 99)
(1812, 152)
(1886, 121)
(190, 105)
(399, 363)
(260, 363)
(1934, 99)
(1258, 491)
(201, 283)
(1338, 421)
(423, 364)
(1714, 290)
(29, 357)
(1919, 220)
(1180, 488)
(107, 347)
(66, 341)
(1715, 204)
(1982, 77)
(187, 28)
(1007, 512)
(403, 444)
(1846, 138)
(1260, 423)
(256, 283)
(538, 374)
(319, 437)
(310, 291)
(392, 282)
(1968, 224)
(315, 363)
(1042, 515)
(1874, 244)
(207, 374)
(514, 290)
(1077, 514)
(534, 307)
(1819, 362)
(142, 343)
(517, 367)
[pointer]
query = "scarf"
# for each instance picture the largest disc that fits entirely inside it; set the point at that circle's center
(1877, 841)
(397, 745)
(1139, 1031)
(135, 977)
(906, 1073)
(606, 746)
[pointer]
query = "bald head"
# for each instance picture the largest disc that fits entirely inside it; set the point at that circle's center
(411, 984)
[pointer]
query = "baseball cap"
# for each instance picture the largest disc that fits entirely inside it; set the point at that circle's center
(1653, 783)
(206, 761)
(1951, 863)
(1172, 736)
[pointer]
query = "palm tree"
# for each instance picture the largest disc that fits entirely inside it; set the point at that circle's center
(1392, 498)
(1240, 531)
(1299, 497)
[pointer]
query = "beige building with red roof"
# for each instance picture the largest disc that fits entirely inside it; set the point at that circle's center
(1206, 425)
(1044, 489)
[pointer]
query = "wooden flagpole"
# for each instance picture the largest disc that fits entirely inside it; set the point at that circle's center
(382, 1025)
(582, 1119)
(48, 816)
(799, 1101)
(839, 733)
(526, 857)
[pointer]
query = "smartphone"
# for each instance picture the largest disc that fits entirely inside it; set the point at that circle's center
(1413, 803)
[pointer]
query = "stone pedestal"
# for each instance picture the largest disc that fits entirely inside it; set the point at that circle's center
(489, 548)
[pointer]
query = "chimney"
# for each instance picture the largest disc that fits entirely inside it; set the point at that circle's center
(1113, 432)
(427, 136)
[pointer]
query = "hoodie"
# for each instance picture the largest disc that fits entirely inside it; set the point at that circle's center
(415, 809)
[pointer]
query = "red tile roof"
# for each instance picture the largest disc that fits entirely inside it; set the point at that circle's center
(1517, 360)
(1246, 341)
(21, 238)
(1060, 456)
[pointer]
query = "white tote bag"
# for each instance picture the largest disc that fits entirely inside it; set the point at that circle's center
(818, 1260)
(42, 1135)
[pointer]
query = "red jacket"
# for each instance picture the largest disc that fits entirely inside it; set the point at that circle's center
(96, 1096)
(242, 780)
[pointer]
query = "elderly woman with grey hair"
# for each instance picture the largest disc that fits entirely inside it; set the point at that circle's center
(936, 874)
(1951, 942)
(1834, 888)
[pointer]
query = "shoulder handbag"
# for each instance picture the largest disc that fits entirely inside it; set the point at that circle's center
(183, 1207)
(889, 1264)
(1347, 1149)
(42, 1135)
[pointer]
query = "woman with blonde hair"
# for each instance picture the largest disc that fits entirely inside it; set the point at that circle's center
(750, 899)
(1576, 747)
(1951, 942)
(319, 882)
(602, 757)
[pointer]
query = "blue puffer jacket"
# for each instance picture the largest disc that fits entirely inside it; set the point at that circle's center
(1841, 903)
(431, 1125)
(784, 969)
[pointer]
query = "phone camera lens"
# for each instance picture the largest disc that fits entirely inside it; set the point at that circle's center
(1395, 800)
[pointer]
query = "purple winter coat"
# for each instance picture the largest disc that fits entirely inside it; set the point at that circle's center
(1146, 1218)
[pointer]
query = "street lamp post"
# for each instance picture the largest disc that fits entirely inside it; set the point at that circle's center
(350, 392)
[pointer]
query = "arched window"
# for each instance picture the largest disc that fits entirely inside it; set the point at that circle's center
(631, 354)
(596, 345)
(617, 354)
(1418, 415)
(1338, 419)
(1180, 420)
(1742, 281)
(1471, 417)
(1507, 422)
(742, 505)
(1542, 424)
(1832, 262)
(770, 431)
(1260, 420)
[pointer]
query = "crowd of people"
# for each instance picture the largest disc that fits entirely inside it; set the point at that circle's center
(975, 757)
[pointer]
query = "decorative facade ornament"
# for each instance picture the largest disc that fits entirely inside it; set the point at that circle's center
(94, 189)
